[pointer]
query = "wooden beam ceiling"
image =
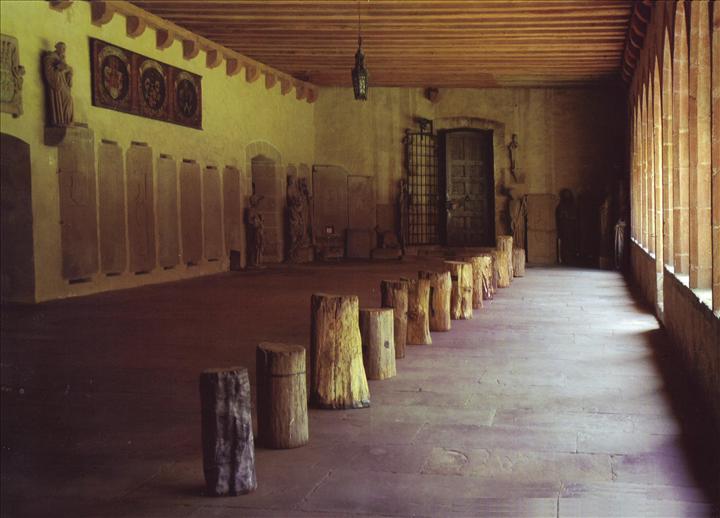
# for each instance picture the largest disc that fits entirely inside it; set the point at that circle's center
(453, 43)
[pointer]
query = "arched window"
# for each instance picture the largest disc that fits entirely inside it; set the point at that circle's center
(716, 155)
(667, 152)
(657, 163)
(699, 147)
(680, 141)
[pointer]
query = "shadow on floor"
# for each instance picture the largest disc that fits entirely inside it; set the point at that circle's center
(691, 407)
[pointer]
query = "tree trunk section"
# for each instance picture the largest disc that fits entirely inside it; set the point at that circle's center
(440, 290)
(281, 395)
(519, 262)
(487, 274)
(378, 342)
(227, 436)
(504, 259)
(461, 295)
(394, 294)
(337, 375)
(476, 262)
(418, 329)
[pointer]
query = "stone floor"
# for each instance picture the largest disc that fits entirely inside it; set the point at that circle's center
(558, 399)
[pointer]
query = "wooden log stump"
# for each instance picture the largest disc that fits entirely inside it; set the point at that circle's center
(495, 271)
(227, 435)
(504, 259)
(461, 295)
(418, 327)
(487, 274)
(440, 292)
(394, 294)
(378, 342)
(337, 375)
(519, 262)
(281, 395)
(476, 263)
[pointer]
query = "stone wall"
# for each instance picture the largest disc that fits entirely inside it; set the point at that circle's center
(236, 114)
(569, 138)
(691, 324)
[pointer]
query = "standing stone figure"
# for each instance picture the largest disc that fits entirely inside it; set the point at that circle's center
(566, 220)
(58, 77)
(512, 149)
(256, 234)
(307, 211)
(518, 215)
(296, 216)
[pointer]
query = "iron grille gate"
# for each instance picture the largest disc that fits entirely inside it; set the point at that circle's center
(423, 193)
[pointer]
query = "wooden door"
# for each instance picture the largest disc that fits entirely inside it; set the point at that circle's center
(470, 207)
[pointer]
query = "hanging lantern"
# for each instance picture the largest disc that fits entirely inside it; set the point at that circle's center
(360, 74)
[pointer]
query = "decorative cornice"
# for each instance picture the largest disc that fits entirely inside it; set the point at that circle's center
(138, 19)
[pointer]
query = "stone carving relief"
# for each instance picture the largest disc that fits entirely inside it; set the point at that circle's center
(141, 211)
(11, 76)
(191, 211)
(298, 203)
(212, 214)
(58, 80)
(111, 190)
(167, 212)
(233, 209)
(78, 208)
(256, 232)
(17, 264)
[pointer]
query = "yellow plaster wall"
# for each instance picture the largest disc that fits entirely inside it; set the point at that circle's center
(568, 137)
(235, 114)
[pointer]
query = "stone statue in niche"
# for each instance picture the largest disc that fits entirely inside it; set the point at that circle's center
(11, 77)
(58, 79)
(517, 207)
(513, 150)
(605, 240)
(298, 203)
(256, 232)
(307, 211)
(567, 224)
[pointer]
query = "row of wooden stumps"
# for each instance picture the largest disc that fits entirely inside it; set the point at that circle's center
(348, 346)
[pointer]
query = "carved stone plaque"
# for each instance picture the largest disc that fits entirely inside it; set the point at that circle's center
(266, 179)
(11, 76)
(541, 228)
(191, 212)
(234, 236)
(111, 182)
(330, 203)
(141, 220)
(16, 221)
(212, 214)
(361, 202)
(167, 211)
(78, 208)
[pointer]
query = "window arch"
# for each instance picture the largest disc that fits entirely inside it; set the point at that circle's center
(667, 151)
(716, 155)
(657, 163)
(680, 141)
(699, 147)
